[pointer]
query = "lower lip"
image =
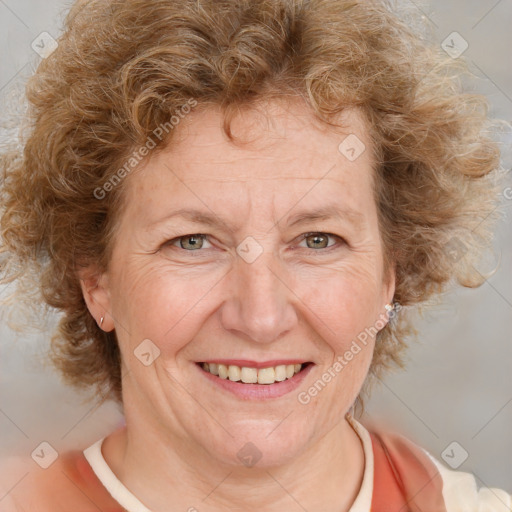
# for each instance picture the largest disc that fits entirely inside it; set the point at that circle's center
(259, 391)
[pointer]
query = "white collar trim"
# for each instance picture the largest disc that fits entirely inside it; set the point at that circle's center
(363, 500)
(110, 481)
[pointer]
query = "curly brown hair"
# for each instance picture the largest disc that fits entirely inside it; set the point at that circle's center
(123, 67)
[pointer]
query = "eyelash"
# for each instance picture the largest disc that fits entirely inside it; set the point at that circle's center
(341, 241)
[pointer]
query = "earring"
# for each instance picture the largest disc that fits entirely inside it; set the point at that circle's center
(389, 307)
(101, 321)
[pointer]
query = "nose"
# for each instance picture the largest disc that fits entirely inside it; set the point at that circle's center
(261, 307)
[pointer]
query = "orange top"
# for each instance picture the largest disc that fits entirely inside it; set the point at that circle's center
(404, 478)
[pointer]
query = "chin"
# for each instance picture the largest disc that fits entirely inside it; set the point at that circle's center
(264, 445)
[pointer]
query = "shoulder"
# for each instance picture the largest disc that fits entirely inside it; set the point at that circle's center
(461, 491)
(68, 484)
(424, 481)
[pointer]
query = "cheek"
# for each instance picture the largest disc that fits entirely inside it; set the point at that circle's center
(343, 303)
(343, 309)
(164, 305)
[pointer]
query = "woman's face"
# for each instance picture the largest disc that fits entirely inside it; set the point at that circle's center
(260, 255)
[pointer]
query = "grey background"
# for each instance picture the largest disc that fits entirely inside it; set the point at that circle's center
(458, 382)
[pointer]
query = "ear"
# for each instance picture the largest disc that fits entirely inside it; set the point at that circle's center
(95, 289)
(390, 283)
(389, 286)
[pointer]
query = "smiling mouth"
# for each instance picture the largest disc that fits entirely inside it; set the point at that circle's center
(248, 375)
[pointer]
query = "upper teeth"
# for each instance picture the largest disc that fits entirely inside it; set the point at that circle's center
(253, 375)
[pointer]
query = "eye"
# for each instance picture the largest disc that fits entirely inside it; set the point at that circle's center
(319, 240)
(189, 242)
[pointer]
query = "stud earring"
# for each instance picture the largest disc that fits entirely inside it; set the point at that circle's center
(101, 320)
(389, 307)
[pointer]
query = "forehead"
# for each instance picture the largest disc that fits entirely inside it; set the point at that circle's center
(280, 152)
(272, 131)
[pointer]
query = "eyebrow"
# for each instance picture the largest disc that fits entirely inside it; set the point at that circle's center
(326, 213)
(302, 217)
(195, 216)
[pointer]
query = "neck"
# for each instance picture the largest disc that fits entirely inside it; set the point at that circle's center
(160, 469)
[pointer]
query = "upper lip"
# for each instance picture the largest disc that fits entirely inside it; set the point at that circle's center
(255, 364)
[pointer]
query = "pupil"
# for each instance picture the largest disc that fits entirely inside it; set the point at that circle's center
(194, 242)
(319, 239)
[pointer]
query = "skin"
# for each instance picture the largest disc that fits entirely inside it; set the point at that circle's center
(295, 300)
